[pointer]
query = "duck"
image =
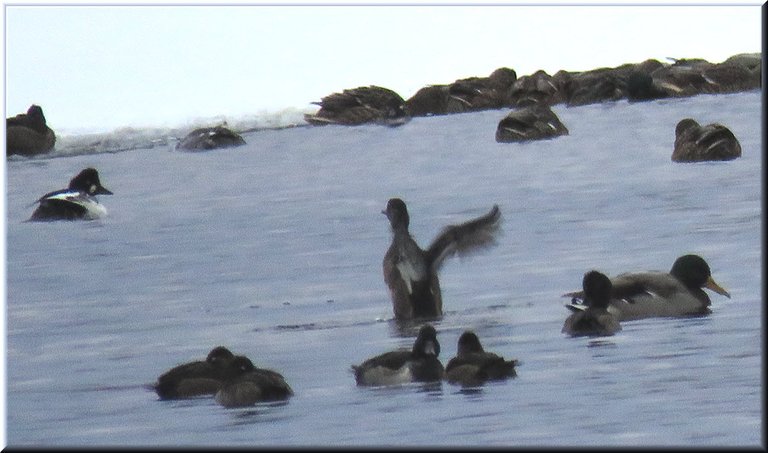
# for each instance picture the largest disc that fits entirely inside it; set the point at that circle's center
(411, 273)
(595, 320)
(677, 293)
(420, 364)
(361, 105)
(641, 86)
(713, 142)
(533, 122)
(536, 88)
(28, 134)
(206, 138)
(248, 385)
(198, 378)
(76, 202)
(473, 366)
(595, 86)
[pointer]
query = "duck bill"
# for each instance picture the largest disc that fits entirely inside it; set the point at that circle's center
(430, 348)
(101, 190)
(711, 284)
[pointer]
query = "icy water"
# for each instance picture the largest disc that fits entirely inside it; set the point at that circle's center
(274, 250)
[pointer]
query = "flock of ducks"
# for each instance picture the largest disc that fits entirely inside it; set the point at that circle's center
(530, 97)
(231, 379)
(28, 134)
(411, 274)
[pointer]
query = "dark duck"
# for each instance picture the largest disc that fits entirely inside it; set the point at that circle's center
(473, 365)
(595, 320)
(411, 272)
(361, 105)
(198, 378)
(402, 366)
(28, 134)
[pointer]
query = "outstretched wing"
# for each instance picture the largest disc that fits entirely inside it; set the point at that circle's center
(465, 238)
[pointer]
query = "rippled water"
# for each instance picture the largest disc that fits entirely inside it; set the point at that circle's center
(274, 249)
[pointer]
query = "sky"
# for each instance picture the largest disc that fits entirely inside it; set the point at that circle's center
(97, 68)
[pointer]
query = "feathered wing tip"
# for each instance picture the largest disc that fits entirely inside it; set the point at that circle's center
(465, 238)
(577, 301)
(576, 307)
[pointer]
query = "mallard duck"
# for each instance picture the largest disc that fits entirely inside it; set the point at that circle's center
(420, 364)
(534, 122)
(473, 365)
(678, 292)
(206, 138)
(595, 319)
(372, 104)
(694, 143)
(28, 134)
(411, 273)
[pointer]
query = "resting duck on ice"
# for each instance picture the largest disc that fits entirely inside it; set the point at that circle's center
(361, 105)
(206, 138)
(27, 134)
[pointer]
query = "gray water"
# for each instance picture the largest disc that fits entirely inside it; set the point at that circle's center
(274, 250)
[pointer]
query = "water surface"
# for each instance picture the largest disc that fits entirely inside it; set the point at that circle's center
(274, 250)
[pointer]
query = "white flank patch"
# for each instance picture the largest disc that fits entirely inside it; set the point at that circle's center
(387, 376)
(93, 208)
(73, 196)
(410, 274)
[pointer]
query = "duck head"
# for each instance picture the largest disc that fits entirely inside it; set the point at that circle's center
(469, 343)
(694, 272)
(426, 343)
(88, 182)
(597, 289)
(397, 213)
